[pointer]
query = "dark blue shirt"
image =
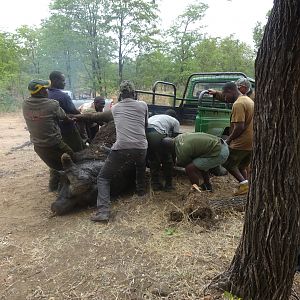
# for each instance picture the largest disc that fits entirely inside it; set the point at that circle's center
(66, 104)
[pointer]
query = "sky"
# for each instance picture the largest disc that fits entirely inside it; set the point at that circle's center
(224, 17)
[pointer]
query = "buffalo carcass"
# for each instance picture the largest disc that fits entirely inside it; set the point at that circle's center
(78, 184)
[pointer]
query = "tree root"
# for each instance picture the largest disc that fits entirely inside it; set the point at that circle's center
(218, 284)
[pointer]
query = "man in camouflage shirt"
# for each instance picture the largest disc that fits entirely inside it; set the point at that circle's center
(42, 117)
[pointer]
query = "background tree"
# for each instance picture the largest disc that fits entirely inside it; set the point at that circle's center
(228, 54)
(184, 34)
(258, 32)
(10, 70)
(88, 20)
(133, 23)
(28, 39)
(264, 263)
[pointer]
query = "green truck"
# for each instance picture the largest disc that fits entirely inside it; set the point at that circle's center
(196, 107)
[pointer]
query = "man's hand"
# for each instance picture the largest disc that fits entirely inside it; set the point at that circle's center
(69, 119)
(212, 92)
(82, 117)
(227, 141)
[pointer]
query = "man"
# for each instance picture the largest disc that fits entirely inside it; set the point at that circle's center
(96, 106)
(198, 153)
(159, 127)
(130, 117)
(70, 133)
(241, 136)
(243, 85)
(42, 117)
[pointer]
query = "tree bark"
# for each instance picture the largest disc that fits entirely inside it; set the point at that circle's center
(264, 263)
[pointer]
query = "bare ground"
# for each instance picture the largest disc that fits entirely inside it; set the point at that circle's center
(139, 255)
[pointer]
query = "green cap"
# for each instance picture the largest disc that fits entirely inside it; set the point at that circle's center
(36, 85)
(127, 86)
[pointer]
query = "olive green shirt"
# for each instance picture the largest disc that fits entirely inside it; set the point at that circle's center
(42, 116)
(189, 146)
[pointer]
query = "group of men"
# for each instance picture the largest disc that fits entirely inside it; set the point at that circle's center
(158, 138)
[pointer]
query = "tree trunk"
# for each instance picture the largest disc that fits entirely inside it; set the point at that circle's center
(121, 62)
(265, 260)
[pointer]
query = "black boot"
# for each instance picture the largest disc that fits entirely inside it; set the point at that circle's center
(168, 185)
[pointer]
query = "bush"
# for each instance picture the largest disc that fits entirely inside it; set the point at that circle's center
(8, 103)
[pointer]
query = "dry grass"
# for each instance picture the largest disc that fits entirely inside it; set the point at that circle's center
(139, 255)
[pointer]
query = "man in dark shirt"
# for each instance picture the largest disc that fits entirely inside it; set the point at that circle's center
(69, 131)
(42, 116)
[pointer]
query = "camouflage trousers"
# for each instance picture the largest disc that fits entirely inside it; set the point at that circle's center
(51, 156)
(73, 139)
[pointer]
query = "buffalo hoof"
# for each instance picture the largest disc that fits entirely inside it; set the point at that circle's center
(62, 207)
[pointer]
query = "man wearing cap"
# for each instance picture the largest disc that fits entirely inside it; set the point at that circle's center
(42, 116)
(69, 131)
(241, 135)
(159, 127)
(243, 85)
(130, 117)
(197, 152)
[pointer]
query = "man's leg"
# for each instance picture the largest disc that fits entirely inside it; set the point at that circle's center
(154, 164)
(167, 164)
(73, 140)
(154, 139)
(235, 167)
(112, 163)
(139, 156)
(193, 173)
(52, 158)
(232, 164)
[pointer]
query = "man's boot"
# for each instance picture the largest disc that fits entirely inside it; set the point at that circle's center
(155, 184)
(168, 169)
(100, 216)
(53, 180)
(168, 185)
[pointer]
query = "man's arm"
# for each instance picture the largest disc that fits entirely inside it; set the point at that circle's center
(61, 115)
(238, 120)
(238, 129)
(176, 128)
(98, 117)
(69, 106)
(146, 117)
(217, 95)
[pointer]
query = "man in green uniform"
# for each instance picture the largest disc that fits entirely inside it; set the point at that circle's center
(198, 153)
(42, 116)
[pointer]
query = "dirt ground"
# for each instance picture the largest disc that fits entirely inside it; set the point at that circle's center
(139, 255)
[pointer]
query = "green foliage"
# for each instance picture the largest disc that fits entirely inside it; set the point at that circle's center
(228, 54)
(8, 103)
(229, 296)
(133, 25)
(9, 60)
(258, 31)
(184, 35)
(96, 43)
